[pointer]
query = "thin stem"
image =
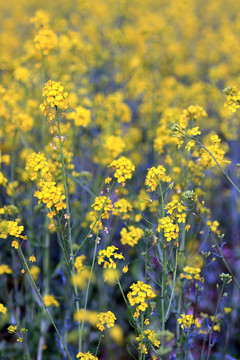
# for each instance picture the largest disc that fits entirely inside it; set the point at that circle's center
(88, 285)
(224, 172)
(164, 265)
(215, 315)
(95, 222)
(219, 250)
(42, 301)
(173, 287)
(69, 229)
(99, 342)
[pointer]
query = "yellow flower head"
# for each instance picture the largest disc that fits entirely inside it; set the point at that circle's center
(55, 97)
(50, 300)
(98, 205)
(186, 321)
(124, 169)
(105, 319)
(86, 356)
(131, 236)
(108, 257)
(139, 295)
(5, 269)
(36, 165)
(3, 309)
(155, 175)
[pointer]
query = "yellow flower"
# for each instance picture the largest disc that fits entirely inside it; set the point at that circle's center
(10, 228)
(186, 321)
(155, 175)
(3, 309)
(32, 258)
(45, 40)
(110, 276)
(82, 116)
(55, 96)
(131, 237)
(86, 356)
(51, 195)
(15, 244)
(98, 205)
(108, 256)
(78, 264)
(50, 300)
(124, 169)
(5, 269)
(36, 164)
(89, 316)
(34, 270)
(11, 329)
(139, 295)
(171, 230)
(116, 333)
(227, 310)
(105, 319)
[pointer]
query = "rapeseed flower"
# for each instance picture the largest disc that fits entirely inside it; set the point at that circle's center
(50, 300)
(86, 356)
(155, 175)
(108, 257)
(105, 319)
(124, 169)
(131, 236)
(139, 295)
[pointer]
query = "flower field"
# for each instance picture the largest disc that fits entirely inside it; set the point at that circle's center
(119, 180)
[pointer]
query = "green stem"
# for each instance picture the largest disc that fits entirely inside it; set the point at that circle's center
(97, 219)
(173, 287)
(69, 227)
(88, 285)
(164, 265)
(219, 250)
(224, 172)
(42, 301)
(215, 315)
(99, 342)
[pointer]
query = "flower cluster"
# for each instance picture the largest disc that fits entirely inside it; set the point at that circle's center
(131, 236)
(50, 300)
(78, 264)
(114, 146)
(5, 269)
(98, 204)
(10, 228)
(89, 316)
(36, 164)
(151, 336)
(122, 206)
(45, 40)
(233, 98)
(108, 256)
(191, 273)
(154, 176)
(81, 117)
(177, 210)
(186, 321)
(124, 169)
(194, 112)
(86, 356)
(170, 229)
(3, 309)
(55, 97)
(51, 195)
(139, 295)
(105, 319)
